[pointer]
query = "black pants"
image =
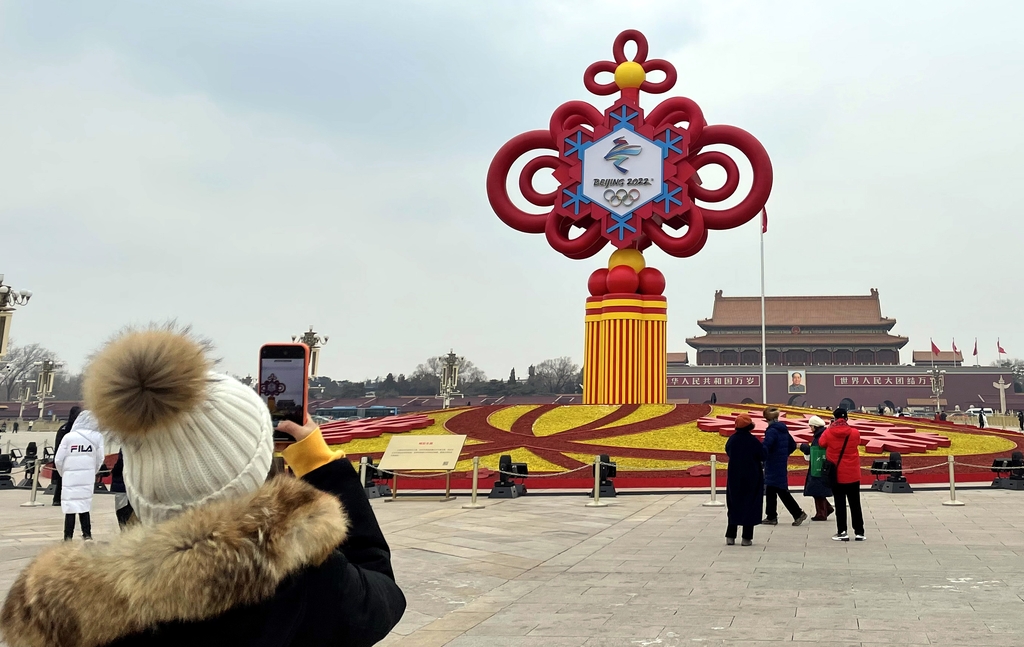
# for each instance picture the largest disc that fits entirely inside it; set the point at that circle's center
(69, 525)
(851, 492)
(730, 532)
(771, 506)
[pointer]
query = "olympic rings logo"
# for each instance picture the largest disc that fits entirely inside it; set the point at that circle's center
(622, 197)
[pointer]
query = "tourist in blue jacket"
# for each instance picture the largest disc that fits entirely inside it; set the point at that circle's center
(778, 445)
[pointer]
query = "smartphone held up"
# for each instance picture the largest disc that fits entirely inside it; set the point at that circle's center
(284, 383)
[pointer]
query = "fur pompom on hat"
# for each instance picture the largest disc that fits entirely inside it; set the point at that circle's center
(189, 435)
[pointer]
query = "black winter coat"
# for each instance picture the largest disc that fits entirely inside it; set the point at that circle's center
(778, 445)
(815, 485)
(286, 565)
(744, 487)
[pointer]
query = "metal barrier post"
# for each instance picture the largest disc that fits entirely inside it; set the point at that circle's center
(952, 486)
(473, 505)
(394, 488)
(362, 471)
(714, 502)
(596, 503)
(32, 503)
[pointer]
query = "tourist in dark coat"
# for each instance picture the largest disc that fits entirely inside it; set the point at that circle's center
(56, 479)
(778, 445)
(744, 488)
(815, 486)
(1020, 419)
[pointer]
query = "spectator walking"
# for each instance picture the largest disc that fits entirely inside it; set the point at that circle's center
(78, 458)
(15, 430)
(3, 427)
(223, 554)
(778, 445)
(981, 419)
(122, 507)
(842, 445)
(30, 423)
(744, 487)
(1020, 419)
(814, 486)
(57, 480)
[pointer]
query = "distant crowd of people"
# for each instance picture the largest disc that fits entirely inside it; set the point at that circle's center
(758, 476)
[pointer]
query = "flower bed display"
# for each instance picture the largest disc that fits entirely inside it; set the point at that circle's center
(664, 444)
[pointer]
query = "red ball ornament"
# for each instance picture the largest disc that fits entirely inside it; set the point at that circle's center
(598, 282)
(622, 279)
(652, 281)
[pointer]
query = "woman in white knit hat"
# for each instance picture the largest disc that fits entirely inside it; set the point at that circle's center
(220, 554)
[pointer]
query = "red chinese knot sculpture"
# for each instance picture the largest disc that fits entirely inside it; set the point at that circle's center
(627, 177)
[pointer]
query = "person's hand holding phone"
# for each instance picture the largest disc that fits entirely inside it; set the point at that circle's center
(298, 432)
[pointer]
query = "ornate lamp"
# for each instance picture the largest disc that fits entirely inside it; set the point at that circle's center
(629, 179)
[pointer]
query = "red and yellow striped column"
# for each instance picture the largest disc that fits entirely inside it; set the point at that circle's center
(625, 360)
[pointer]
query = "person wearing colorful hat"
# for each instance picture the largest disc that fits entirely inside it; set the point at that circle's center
(221, 552)
(744, 487)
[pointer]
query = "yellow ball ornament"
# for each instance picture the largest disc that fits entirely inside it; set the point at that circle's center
(629, 75)
(631, 257)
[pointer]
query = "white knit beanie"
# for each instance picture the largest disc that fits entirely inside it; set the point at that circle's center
(189, 435)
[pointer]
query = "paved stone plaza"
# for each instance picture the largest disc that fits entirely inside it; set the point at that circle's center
(654, 570)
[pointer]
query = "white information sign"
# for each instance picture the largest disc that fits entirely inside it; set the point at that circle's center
(422, 453)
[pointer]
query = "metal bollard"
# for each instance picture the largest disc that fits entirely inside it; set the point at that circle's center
(714, 502)
(596, 503)
(952, 486)
(473, 505)
(362, 471)
(32, 503)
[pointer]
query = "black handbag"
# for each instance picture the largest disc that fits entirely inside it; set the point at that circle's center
(830, 470)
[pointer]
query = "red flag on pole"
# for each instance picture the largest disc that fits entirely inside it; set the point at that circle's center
(955, 349)
(975, 346)
(1000, 347)
(764, 220)
(935, 349)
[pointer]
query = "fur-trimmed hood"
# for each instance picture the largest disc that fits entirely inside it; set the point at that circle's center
(192, 567)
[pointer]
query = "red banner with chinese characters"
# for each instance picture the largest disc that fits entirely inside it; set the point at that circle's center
(714, 380)
(882, 380)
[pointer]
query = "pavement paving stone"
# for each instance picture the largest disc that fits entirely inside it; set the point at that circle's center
(653, 570)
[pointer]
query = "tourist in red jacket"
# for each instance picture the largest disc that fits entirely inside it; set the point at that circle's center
(847, 460)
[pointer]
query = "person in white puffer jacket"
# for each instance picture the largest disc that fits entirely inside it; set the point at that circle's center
(78, 459)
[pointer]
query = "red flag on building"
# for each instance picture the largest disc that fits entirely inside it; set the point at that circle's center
(935, 349)
(955, 349)
(975, 347)
(764, 220)
(1000, 347)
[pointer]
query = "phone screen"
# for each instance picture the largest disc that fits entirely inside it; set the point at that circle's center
(282, 387)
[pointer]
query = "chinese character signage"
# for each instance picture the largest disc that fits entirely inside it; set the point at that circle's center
(883, 380)
(715, 380)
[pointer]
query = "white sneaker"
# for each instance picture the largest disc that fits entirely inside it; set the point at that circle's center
(859, 538)
(840, 536)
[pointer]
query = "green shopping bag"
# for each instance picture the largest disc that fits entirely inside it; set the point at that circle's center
(817, 460)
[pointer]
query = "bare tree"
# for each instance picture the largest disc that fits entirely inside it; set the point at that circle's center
(468, 372)
(20, 362)
(558, 375)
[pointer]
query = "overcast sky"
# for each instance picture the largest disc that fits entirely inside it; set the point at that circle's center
(255, 167)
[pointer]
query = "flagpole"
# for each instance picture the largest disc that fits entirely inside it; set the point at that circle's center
(764, 342)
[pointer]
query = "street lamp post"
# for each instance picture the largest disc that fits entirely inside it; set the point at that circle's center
(938, 385)
(315, 343)
(44, 382)
(9, 298)
(449, 378)
(24, 395)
